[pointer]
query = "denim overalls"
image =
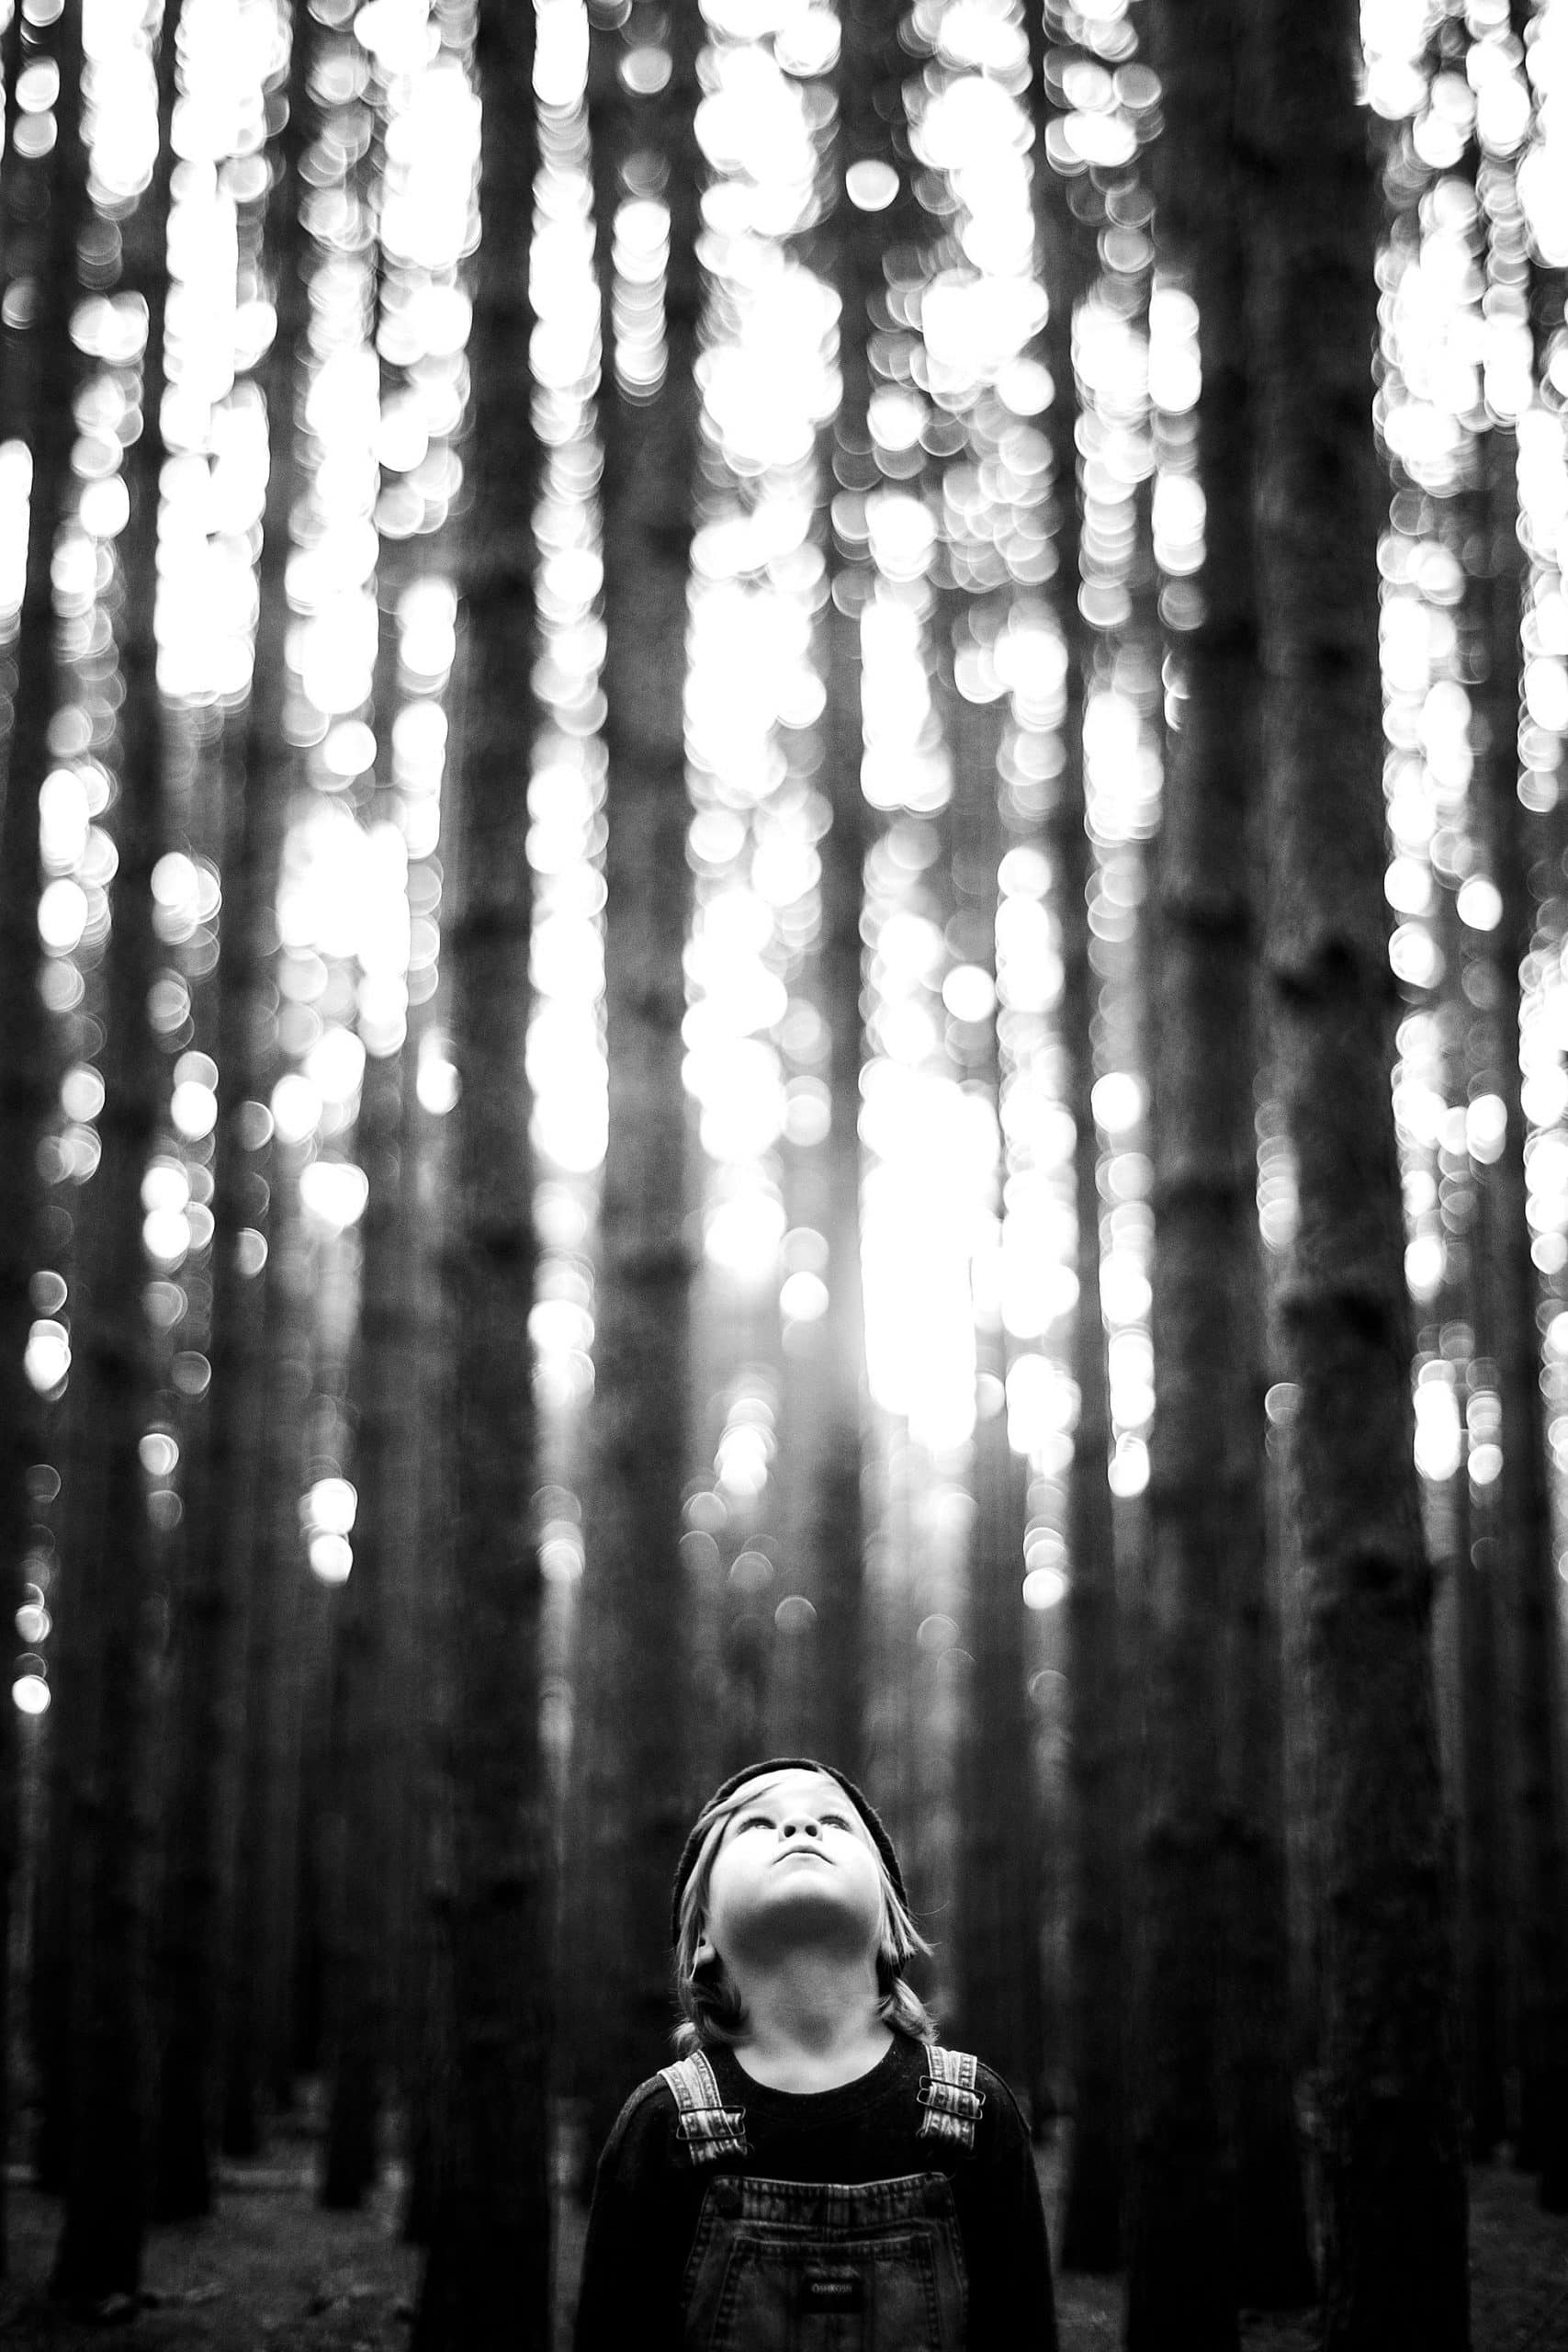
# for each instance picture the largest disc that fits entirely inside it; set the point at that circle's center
(794, 2265)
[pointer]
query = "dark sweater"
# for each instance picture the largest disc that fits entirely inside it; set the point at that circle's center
(647, 2192)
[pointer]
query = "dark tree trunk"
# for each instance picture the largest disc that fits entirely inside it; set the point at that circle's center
(223, 1541)
(259, 2037)
(99, 2256)
(1393, 2171)
(1091, 2225)
(868, 58)
(1205, 1486)
(837, 1532)
(370, 1783)
(269, 1368)
(1525, 1551)
(1219, 2212)
(487, 2279)
(635, 1602)
(998, 1908)
(39, 369)
(365, 1764)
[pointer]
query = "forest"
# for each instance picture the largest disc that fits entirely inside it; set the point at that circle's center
(783, 871)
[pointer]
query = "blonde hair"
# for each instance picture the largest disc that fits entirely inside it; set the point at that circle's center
(712, 2011)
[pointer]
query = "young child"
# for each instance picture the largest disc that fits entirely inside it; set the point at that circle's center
(814, 2171)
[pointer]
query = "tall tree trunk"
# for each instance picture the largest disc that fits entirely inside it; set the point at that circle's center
(372, 1786)
(1091, 2225)
(99, 2256)
(1218, 2197)
(262, 1359)
(363, 1764)
(1393, 2171)
(998, 1908)
(634, 1600)
(487, 2279)
(223, 1539)
(1526, 1553)
(259, 2039)
(1205, 1489)
(44, 203)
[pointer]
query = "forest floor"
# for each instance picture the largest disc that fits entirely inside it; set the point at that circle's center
(273, 2273)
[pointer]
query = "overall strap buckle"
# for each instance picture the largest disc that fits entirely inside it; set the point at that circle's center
(953, 2105)
(708, 2129)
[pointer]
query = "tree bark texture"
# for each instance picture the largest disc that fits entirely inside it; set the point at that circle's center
(1218, 2200)
(99, 2255)
(223, 1535)
(997, 1905)
(487, 2279)
(369, 1761)
(1205, 1490)
(1392, 2180)
(38, 368)
(1091, 2225)
(635, 1599)
(1525, 1551)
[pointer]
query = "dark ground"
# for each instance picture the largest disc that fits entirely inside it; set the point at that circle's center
(273, 2273)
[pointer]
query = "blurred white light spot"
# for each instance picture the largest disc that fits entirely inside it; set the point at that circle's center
(646, 70)
(1485, 1465)
(936, 1634)
(335, 1192)
(969, 992)
(1119, 1101)
(82, 1093)
(350, 750)
(808, 1112)
(332, 1557)
(159, 1453)
(1479, 903)
(61, 915)
(803, 1298)
(795, 1614)
(30, 1693)
(902, 534)
(436, 1083)
(48, 1357)
(808, 42)
(743, 1235)
(250, 1251)
(329, 1505)
(1043, 1588)
(166, 1185)
(335, 1064)
(871, 187)
(296, 1107)
(1485, 1125)
(1437, 1430)
(1425, 1260)
(1025, 386)
(194, 1110)
(165, 1235)
(104, 507)
(1129, 1471)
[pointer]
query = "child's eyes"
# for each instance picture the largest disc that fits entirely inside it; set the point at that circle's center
(764, 1821)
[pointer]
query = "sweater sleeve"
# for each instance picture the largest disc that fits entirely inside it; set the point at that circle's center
(1011, 2302)
(635, 2251)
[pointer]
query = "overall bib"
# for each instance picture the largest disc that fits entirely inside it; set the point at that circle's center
(792, 2266)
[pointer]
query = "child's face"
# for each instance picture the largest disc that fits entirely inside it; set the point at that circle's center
(795, 1868)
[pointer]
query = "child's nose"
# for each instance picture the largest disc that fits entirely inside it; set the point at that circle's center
(809, 1828)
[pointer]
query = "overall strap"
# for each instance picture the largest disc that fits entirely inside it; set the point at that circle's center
(707, 2128)
(953, 2105)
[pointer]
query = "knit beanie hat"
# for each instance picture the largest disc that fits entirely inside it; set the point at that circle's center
(860, 1803)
